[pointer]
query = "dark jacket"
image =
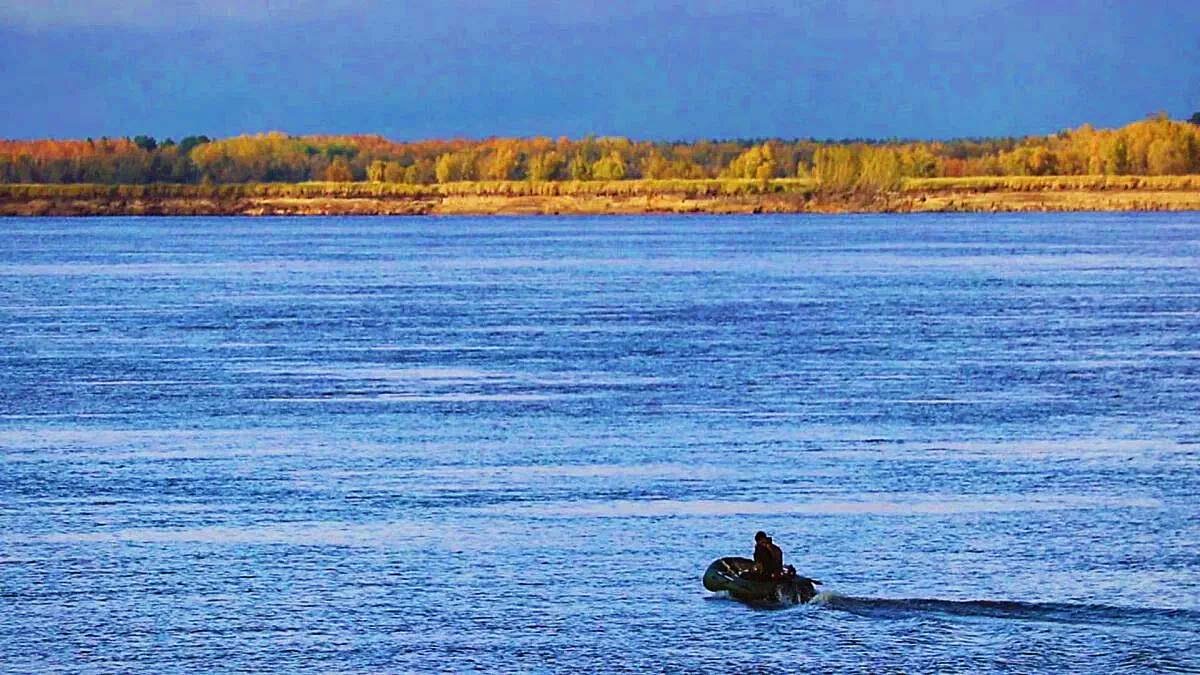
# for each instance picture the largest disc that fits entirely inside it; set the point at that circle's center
(768, 556)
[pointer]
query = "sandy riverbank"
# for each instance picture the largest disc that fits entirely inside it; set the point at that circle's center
(1125, 193)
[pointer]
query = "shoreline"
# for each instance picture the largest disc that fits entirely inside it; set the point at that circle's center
(965, 195)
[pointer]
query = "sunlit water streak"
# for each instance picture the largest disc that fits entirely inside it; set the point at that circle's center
(508, 444)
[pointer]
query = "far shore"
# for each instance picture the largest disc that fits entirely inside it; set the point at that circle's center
(969, 194)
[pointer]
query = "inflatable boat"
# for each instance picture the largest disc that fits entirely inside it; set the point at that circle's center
(738, 578)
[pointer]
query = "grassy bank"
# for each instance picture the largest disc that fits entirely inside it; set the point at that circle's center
(1053, 183)
(366, 190)
(982, 193)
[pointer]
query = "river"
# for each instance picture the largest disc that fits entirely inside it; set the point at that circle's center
(514, 444)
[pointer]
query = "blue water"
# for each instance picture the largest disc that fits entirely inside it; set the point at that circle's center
(509, 444)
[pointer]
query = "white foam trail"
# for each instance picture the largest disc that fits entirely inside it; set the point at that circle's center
(825, 597)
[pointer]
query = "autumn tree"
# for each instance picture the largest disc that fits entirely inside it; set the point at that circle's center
(339, 171)
(501, 164)
(377, 171)
(422, 172)
(456, 166)
(918, 160)
(758, 163)
(656, 167)
(1167, 156)
(545, 166)
(1157, 145)
(836, 167)
(610, 167)
(447, 168)
(879, 169)
(1036, 160)
(579, 168)
(394, 172)
(1116, 157)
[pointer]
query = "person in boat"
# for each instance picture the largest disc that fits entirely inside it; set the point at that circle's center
(768, 558)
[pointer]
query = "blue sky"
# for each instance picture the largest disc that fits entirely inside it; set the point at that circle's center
(663, 70)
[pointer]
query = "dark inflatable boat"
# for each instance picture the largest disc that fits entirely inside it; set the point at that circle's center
(736, 576)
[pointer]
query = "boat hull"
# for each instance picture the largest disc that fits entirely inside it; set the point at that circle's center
(732, 575)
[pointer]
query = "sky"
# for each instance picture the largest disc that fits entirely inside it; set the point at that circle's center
(646, 70)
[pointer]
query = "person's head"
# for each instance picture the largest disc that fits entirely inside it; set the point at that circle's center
(760, 536)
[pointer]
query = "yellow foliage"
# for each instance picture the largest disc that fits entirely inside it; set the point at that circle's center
(1154, 146)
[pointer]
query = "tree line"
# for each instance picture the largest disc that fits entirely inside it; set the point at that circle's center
(1154, 146)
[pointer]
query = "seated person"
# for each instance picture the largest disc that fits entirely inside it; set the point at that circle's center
(768, 557)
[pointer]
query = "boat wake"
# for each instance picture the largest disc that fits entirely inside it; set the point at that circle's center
(1053, 612)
